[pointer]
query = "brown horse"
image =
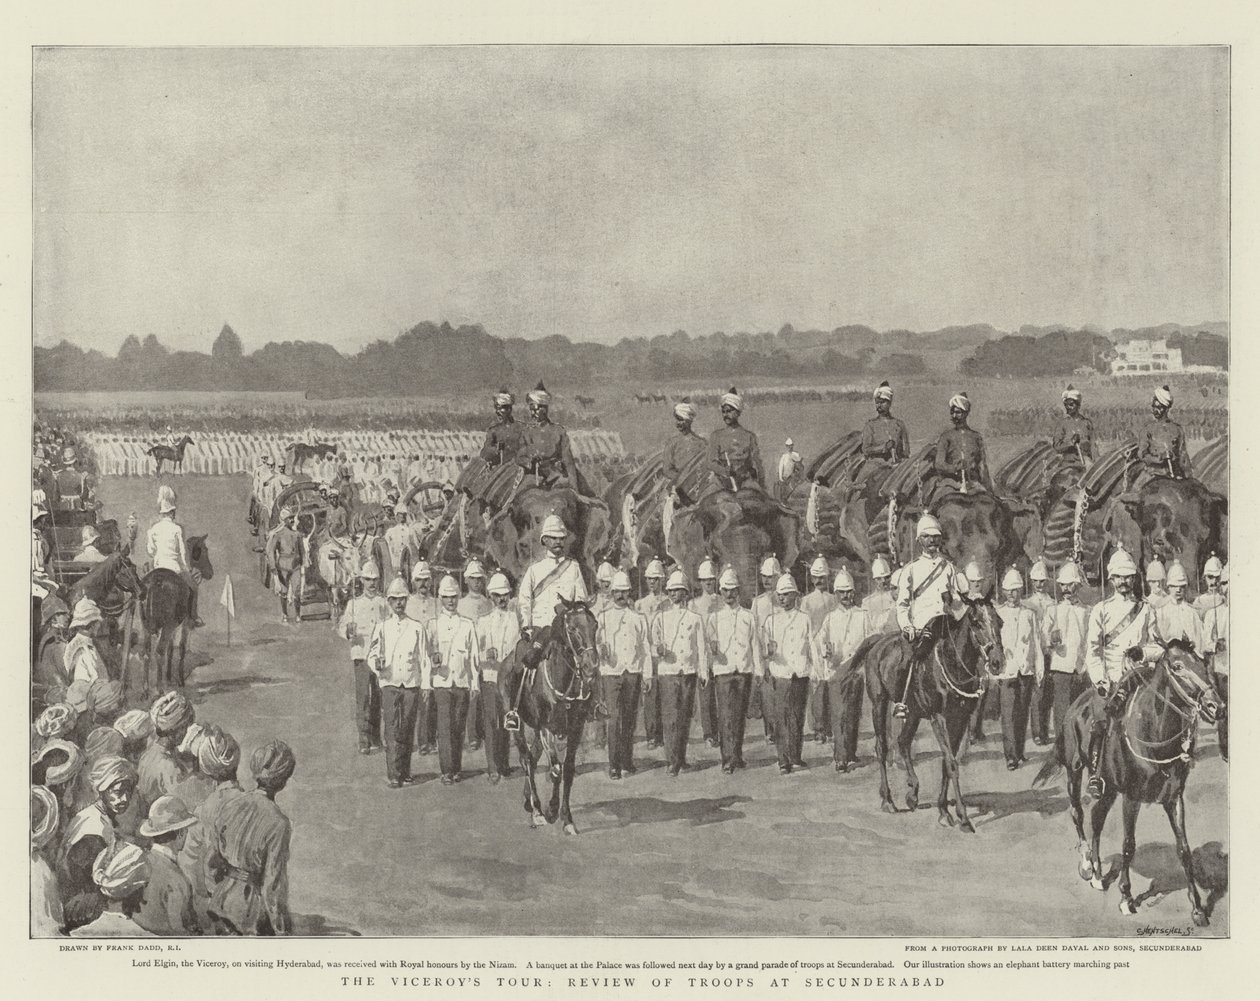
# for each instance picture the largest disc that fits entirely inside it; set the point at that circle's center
(948, 693)
(554, 705)
(165, 609)
(1145, 759)
(175, 455)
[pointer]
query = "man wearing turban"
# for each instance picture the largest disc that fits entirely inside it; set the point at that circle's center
(160, 767)
(47, 917)
(960, 458)
(682, 452)
(1162, 443)
(95, 828)
(503, 437)
(218, 758)
(545, 452)
(884, 437)
(247, 862)
(120, 873)
(734, 455)
(1073, 439)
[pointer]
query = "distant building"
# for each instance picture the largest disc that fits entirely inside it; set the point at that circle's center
(1143, 357)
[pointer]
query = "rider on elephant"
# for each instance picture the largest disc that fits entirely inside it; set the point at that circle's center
(885, 441)
(503, 437)
(1073, 439)
(960, 461)
(734, 455)
(544, 451)
(681, 452)
(1162, 443)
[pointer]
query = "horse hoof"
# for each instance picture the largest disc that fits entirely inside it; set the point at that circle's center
(540, 820)
(967, 826)
(912, 802)
(887, 807)
(570, 829)
(1085, 870)
(1127, 907)
(945, 820)
(1097, 883)
(1200, 919)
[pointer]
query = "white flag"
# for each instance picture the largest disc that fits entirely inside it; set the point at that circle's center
(227, 599)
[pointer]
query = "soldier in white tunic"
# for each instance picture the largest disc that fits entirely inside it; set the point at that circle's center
(735, 659)
(842, 632)
(789, 662)
(1022, 669)
(625, 668)
(682, 657)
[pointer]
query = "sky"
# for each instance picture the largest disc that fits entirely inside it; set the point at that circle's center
(343, 195)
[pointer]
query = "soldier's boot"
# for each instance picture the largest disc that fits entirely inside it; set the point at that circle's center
(1097, 739)
(918, 650)
(530, 659)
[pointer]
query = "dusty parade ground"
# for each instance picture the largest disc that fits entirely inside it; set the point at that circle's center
(703, 854)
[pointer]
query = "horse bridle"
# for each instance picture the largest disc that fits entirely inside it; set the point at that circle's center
(1178, 678)
(583, 690)
(953, 686)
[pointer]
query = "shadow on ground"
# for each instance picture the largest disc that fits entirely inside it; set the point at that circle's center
(317, 924)
(650, 810)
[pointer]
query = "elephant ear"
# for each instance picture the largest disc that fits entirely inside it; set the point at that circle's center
(595, 525)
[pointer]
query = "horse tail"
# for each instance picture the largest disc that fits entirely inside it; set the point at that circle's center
(1053, 764)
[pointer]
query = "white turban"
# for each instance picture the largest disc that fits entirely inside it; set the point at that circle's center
(883, 391)
(733, 399)
(1072, 393)
(684, 411)
(539, 395)
(960, 401)
(1163, 396)
(503, 398)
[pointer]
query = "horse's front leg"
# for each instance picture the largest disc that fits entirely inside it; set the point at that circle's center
(1176, 810)
(1097, 818)
(879, 720)
(569, 771)
(905, 747)
(183, 650)
(559, 755)
(1084, 867)
(1131, 806)
(533, 805)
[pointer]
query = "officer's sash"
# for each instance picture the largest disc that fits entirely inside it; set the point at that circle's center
(559, 569)
(1110, 637)
(936, 572)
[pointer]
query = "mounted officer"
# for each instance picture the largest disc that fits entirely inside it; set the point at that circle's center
(168, 551)
(1121, 632)
(926, 590)
(1162, 443)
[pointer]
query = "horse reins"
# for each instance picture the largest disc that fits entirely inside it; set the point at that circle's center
(1186, 736)
(583, 692)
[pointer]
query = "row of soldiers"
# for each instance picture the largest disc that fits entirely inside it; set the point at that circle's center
(423, 661)
(141, 827)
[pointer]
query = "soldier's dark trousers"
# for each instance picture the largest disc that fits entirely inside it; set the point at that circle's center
(452, 716)
(787, 699)
(845, 694)
(426, 720)
(820, 706)
(367, 706)
(497, 740)
(652, 729)
(398, 709)
(1221, 683)
(476, 728)
(677, 691)
(759, 706)
(1064, 690)
(706, 709)
(621, 695)
(731, 694)
(1041, 700)
(1013, 698)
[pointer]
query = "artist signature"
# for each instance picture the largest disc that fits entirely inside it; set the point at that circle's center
(1148, 930)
